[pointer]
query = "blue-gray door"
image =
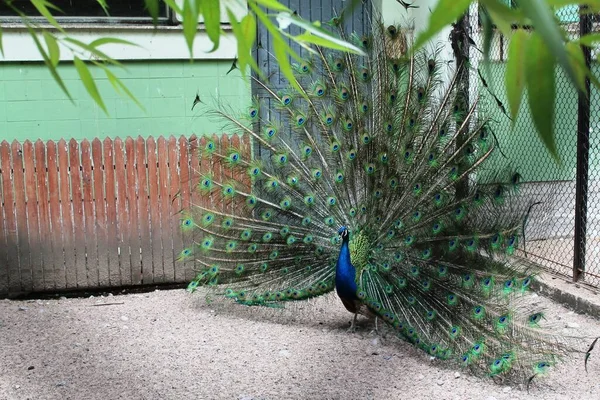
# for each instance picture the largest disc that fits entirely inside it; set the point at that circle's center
(311, 10)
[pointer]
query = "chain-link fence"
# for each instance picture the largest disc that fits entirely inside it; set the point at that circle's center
(563, 230)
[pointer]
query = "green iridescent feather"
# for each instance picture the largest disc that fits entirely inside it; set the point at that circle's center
(385, 145)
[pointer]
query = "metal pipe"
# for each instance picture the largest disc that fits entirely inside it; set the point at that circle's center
(583, 150)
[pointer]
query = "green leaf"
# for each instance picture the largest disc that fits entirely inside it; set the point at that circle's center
(282, 50)
(99, 54)
(190, 24)
(589, 40)
(47, 61)
(248, 25)
(118, 85)
(323, 42)
(488, 36)
(545, 25)
(103, 5)
(174, 6)
(316, 35)
(245, 31)
(514, 77)
(577, 62)
(88, 82)
(281, 54)
(111, 40)
(212, 21)
(446, 12)
(153, 9)
(502, 15)
(53, 49)
(42, 7)
(1, 46)
(541, 88)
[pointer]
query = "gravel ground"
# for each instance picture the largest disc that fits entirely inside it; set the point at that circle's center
(170, 345)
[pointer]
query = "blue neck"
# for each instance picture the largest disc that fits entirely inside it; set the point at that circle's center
(345, 274)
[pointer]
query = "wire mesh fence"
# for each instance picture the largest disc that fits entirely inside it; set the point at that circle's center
(563, 230)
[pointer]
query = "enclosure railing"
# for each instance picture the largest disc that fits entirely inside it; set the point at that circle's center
(563, 231)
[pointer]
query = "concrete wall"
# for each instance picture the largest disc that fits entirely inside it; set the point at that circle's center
(32, 106)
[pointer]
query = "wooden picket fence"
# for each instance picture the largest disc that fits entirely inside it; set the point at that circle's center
(97, 214)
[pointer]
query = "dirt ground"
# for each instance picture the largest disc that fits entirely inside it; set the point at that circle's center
(172, 345)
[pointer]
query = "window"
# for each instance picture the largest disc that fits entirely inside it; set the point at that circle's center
(89, 11)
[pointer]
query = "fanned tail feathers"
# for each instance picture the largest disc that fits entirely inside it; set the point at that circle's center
(381, 144)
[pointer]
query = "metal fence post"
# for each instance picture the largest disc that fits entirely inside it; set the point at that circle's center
(459, 38)
(583, 149)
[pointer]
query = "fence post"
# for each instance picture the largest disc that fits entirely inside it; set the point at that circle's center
(583, 149)
(459, 38)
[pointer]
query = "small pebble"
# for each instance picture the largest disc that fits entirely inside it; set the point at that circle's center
(62, 298)
(440, 383)
(506, 389)
(61, 383)
(573, 325)
(23, 308)
(456, 375)
(284, 353)
(124, 318)
(30, 368)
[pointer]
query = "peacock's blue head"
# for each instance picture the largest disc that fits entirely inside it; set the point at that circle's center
(344, 233)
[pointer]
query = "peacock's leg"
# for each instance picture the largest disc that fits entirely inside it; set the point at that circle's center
(376, 330)
(353, 324)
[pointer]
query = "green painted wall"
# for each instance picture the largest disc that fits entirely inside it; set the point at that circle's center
(523, 146)
(32, 105)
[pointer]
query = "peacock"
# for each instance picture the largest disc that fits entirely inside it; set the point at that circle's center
(375, 178)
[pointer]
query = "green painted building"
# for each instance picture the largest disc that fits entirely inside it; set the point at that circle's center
(159, 73)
